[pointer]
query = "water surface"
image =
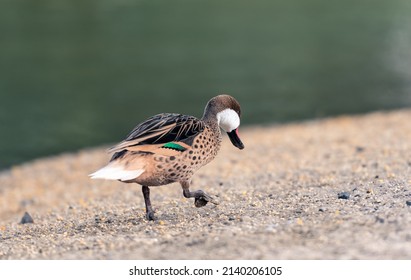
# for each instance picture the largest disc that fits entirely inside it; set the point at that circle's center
(75, 74)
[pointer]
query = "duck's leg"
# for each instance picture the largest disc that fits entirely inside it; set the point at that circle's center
(200, 198)
(149, 209)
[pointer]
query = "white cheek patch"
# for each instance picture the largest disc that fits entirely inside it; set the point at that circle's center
(228, 120)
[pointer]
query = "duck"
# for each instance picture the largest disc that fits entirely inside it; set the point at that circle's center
(169, 147)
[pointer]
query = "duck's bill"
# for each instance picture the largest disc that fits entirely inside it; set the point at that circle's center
(235, 139)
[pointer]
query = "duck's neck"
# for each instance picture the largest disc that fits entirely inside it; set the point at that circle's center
(211, 120)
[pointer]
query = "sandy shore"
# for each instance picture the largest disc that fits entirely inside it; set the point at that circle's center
(279, 199)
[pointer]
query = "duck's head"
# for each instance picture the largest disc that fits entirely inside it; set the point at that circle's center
(227, 111)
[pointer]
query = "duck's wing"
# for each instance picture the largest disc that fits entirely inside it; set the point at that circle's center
(162, 129)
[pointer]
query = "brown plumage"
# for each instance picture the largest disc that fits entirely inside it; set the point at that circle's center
(169, 148)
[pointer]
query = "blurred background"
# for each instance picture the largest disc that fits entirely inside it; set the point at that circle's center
(79, 73)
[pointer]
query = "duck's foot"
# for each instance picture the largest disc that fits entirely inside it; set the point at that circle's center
(200, 202)
(150, 216)
(201, 199)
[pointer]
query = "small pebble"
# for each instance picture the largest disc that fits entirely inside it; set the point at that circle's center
(379, 220)
(359, 149)
(27, 219)
(344, 195)
(408, 202)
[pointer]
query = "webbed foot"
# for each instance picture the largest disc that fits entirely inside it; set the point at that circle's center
(150, 216)
(203, 199)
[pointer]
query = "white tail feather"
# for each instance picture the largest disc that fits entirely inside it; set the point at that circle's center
(116, 173)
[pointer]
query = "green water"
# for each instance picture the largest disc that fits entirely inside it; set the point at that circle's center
(80, 73)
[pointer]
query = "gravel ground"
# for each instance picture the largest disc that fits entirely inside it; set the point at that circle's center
(325, 189)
